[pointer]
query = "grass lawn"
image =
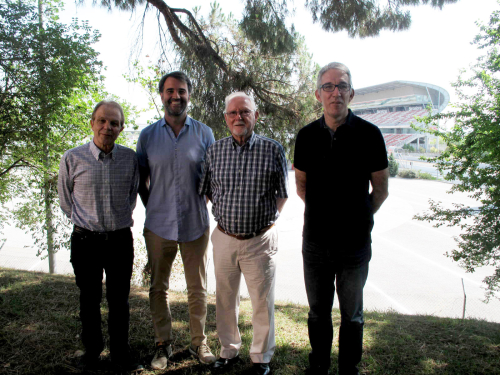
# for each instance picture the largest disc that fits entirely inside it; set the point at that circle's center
(39, 334)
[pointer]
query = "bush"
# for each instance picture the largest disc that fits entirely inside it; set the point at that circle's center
(421, 150)
(393, 166)
(426, 176)
(408, 147)
(407, 173)
(434, 150)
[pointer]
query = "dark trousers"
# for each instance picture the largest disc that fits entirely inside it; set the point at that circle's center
(91, 254)
(323, 271)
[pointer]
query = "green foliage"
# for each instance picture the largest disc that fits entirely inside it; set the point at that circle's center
(472, 157)
(365, 18)
(408, 147)
(421, 150)
(283, 95)
(49, 82)
(407, 173)
(393, 166)
(433, 150)
(425, 176)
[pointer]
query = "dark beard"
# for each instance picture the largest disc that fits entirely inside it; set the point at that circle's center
(175, 113)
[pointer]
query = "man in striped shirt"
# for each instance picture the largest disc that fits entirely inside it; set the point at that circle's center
(97, 187)
(245, 177)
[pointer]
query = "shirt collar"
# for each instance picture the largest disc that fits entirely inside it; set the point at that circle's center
(348, 120)
(96, 151)
(250, 142)
(188, 121)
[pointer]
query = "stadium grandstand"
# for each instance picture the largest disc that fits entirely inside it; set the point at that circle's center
(393, 106)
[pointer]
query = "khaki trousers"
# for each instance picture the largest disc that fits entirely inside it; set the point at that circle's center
(161, 255)
(254, 258)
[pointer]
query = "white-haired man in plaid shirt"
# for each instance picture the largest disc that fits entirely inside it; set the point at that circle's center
(245, 177)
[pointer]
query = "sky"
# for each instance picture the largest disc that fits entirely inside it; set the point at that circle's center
(433, 50)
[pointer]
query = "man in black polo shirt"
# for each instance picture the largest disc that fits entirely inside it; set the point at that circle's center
(337, 158)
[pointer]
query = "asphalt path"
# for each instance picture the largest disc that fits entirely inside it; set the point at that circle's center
(409, 272)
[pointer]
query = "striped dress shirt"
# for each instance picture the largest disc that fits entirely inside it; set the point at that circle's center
(98, 192)
(244, 182)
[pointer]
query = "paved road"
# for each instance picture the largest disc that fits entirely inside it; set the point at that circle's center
(409, 272)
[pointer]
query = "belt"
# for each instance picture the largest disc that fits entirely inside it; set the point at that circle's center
(103, 235)
(245, 236)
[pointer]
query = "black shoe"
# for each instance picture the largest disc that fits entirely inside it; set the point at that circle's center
(224, 364)
(261, 369)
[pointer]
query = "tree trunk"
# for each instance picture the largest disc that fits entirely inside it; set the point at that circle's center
(46, 176)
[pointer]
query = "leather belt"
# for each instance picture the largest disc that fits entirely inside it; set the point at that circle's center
(245, 236)
(104, 235)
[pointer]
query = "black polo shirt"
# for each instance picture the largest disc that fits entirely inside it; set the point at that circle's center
(338, 211)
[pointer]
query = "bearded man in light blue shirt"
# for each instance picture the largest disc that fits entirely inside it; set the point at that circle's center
(171, 154)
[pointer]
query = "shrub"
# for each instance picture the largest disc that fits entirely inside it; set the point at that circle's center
(407, 173)
(434, 150)
(421, 150)
(393, 166)
(426, 176)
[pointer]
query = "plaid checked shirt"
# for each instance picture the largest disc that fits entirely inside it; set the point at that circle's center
(244, 182)
(98, 192)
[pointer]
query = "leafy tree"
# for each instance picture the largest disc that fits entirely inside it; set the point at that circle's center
(287, 76)
(49, 82)
(472, 157)
(393, 166)
(218, 62)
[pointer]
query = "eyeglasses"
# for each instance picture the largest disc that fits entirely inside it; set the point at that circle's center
(330, 87)
(244, 113)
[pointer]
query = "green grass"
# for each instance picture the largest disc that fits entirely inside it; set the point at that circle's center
(39, 334)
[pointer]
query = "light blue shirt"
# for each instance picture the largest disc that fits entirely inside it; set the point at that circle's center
(175, 211)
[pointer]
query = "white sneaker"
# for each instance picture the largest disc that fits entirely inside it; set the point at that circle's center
(162, 353)
(203, 353)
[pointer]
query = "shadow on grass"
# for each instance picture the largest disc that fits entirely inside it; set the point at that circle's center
(39, 334)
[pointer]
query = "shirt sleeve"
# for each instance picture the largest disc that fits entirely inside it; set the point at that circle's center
(205, 187)
(65, 186)
(282, 175)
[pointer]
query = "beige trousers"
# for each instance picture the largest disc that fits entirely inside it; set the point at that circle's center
(161, 255)
(254, 258)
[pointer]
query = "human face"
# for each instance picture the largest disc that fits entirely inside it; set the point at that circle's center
(106, 126)
(175, 97)
(335, 103)
(241, 126)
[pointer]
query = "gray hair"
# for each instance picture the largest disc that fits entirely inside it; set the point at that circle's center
(111, 103)
(243, 95)
(333, 65)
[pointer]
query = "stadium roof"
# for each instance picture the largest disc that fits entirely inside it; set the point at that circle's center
(440, 97)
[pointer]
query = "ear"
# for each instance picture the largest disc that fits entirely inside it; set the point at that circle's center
(92, 124)
(352, 95)
(318, 98)
(123, 127)
(256, 115)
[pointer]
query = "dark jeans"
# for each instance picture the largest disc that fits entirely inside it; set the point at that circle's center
(323, 270)
(91, 254)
